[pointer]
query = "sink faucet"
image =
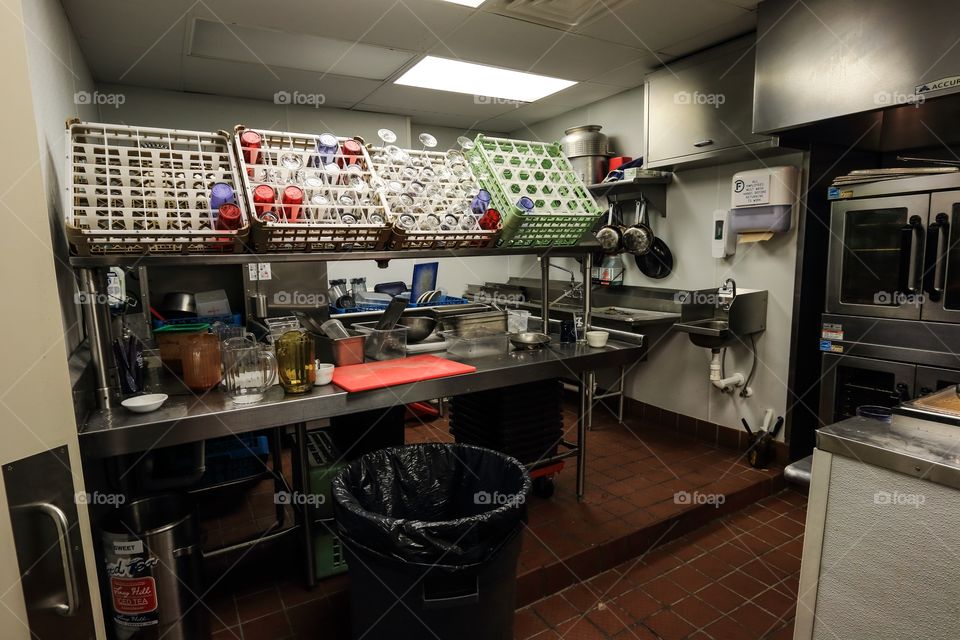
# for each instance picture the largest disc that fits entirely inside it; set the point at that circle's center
(575, 292)
(726, 294)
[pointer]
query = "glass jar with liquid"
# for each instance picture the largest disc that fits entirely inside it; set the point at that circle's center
(296, 361)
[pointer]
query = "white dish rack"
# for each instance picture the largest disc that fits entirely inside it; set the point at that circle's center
(342, 210)
(137, 190)
(429, 194)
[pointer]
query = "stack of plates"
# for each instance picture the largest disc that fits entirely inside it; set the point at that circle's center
(524, 421)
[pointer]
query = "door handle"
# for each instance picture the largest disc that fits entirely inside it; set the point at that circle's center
(910, 242)
(65, 545)
(942, 225)
(703, 143)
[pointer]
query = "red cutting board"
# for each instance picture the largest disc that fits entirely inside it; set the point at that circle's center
(388, 373)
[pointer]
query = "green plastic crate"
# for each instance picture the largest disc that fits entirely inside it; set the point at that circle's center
(509, 169)
(328, 551)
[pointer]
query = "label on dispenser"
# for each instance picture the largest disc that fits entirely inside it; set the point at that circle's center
(134, 597)
(751, 190)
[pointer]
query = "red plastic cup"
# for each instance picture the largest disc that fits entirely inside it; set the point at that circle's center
(250, 142)
(351, 152)
(292, 201)
(228, 217)
(264, 198)
(490, 220)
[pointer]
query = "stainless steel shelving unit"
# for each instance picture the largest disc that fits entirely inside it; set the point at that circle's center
(111, 431)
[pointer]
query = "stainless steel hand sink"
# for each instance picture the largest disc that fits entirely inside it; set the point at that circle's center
(711, 333)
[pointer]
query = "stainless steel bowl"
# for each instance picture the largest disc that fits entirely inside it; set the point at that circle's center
(529, 340)
(418, 327)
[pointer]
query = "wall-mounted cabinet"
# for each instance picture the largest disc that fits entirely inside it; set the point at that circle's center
(700, 109)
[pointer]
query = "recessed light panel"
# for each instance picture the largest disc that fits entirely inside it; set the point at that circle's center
(444, 74)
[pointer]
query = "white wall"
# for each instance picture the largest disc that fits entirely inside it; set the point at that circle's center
(675, 376)
(61, 84)
(153, 107)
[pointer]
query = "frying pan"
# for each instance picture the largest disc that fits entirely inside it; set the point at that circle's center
(610, 235)
(658, 262)
(637, 239)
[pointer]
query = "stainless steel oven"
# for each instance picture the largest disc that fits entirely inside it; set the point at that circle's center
(876, 256)
(895, 250)
(883, 362)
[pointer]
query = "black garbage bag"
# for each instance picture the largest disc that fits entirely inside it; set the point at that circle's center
(447, 504)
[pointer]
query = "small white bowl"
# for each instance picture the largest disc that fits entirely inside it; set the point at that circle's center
(597, 339)
(145, 403)
(324, 374)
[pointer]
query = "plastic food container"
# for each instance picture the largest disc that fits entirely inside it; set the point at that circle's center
(477, 343)
(384, 344)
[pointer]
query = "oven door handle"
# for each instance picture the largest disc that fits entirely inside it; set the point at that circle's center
(935, 263)
(911, 240)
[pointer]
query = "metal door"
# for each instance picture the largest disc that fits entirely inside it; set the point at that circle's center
(850, 381)
(930, 379)
(876, 256)
(941, 265)
(46, 535)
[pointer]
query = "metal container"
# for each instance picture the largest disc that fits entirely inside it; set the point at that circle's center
(153, 565)
(341, 352)
(588, 150)
(494, 320)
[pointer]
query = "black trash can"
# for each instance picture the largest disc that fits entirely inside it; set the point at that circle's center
(432, 534)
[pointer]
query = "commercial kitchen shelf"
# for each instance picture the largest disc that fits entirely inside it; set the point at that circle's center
(150, 260)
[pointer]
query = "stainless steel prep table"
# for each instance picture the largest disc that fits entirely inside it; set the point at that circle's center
(116, 431)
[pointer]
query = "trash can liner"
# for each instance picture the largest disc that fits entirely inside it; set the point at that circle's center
(450, 504)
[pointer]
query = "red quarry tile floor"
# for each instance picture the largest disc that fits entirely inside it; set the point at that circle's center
(633, 559)
(733, 578)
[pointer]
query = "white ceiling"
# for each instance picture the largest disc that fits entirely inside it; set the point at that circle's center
(148, 43)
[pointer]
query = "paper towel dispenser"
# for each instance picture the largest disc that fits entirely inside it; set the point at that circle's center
(763, 202)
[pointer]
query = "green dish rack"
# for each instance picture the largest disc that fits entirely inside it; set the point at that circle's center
(510, 169)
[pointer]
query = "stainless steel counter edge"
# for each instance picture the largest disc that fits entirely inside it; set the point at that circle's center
(919, 448)
(188, 419)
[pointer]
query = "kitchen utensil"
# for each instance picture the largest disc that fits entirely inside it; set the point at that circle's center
(658, 262)
(342, 352)
(376, 375)
(529, 340)
(145, 403)
(248, 370)
(296, 361)
(597, 339)
(324, 373)
(392, 314)
(638, 238)
(200, 358)
(128, 382)
(312, 319)
(178, 304)
(610, 235)
(385, 344)
(334, 329)
(418, 327)
(477, 343)
(390, 288)
(759, 450)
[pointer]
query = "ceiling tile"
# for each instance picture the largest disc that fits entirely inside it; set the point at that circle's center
(652, 25)
(524, 117)
(395, 98)
(580, 94)
(495, 40)
(290, 86)
(630, 74)
(410, 24)
(739, 26)
(141, 21)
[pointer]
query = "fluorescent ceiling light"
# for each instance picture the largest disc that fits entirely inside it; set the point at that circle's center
(444, 74)
(269, 47)
(468, 3)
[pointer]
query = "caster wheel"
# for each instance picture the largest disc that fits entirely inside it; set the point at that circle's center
(543, 487)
